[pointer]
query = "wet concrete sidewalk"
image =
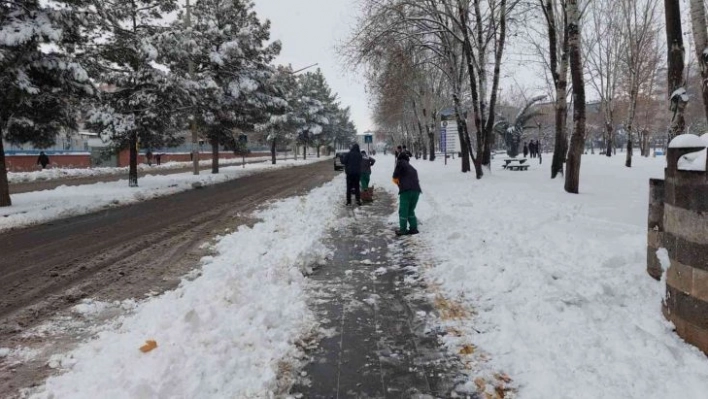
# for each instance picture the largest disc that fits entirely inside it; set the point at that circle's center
(381, 340)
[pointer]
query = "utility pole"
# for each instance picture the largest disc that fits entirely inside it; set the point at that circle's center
(193, 125)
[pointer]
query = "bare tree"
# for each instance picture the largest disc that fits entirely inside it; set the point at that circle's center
(678, 98)
(700, 39)
(556, 23)
(605, 47)
(577, 140)
(640, 56)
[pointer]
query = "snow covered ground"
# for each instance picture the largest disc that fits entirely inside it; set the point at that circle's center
(229, 333)
(42, 206)
(556, 282)
(63, 173)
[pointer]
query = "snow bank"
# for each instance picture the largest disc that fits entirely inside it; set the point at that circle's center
(64, 173)
(226, 334)
(64, 201)
(687, 141)
(557, 282)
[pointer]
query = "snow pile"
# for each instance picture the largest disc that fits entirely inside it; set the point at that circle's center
(64, 173)
(229, 333)
(556, 283)
(687, 141)
(64, 201)
(694, 161)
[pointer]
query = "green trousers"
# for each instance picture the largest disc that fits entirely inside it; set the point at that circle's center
(364, 179)
(406, 210)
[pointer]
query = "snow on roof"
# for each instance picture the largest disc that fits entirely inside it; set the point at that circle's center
(693, 161)
(687, 141)
(705, 139)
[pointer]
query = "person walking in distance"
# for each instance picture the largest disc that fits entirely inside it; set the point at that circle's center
(352, 167)
(406, 177)
(408, 153)
(526, 150)
(43, 160)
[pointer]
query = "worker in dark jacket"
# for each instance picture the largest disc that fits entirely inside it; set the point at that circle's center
(352, 167)
(406, 177)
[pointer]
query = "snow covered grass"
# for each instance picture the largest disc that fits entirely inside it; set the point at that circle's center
(229, 333)
(556, 283)
(64, 173)
(64, 201)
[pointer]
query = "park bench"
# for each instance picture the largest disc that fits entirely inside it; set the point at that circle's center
(515, 164)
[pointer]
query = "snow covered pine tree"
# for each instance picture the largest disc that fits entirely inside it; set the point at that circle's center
(313, 109)
(141, 102)
(40, 79)
(226, 44)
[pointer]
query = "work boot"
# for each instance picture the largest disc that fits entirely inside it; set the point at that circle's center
(413, 232)
(401, 232)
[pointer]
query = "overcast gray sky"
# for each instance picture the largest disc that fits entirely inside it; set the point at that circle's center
(309, 31)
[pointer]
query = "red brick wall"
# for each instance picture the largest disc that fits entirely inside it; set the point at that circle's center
(28, 163)
(124, 157)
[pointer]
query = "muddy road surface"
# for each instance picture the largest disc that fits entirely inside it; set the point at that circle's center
(117, 254)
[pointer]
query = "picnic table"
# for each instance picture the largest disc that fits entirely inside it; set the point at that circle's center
(516, 164)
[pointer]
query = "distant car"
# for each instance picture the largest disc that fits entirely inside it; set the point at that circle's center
(339, 160)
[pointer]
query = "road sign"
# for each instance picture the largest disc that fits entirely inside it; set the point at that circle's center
(368, 138)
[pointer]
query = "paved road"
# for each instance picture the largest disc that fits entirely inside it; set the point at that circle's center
(18, 188)
(122, 253)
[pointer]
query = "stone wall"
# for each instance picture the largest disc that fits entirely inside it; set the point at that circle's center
(678, 222)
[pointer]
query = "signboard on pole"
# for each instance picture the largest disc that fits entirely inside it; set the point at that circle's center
(443, 137)
(451, 144)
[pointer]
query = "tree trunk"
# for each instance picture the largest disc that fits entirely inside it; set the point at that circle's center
(700, 38)
(610, 139)
(561, 140)
(272, 151)
(461, 126)
(476, 161)
(676, 52)
(318, 151)
(478, 113)
(498, 54)
(560, 82)
(133, 164)
(4, 184)
(577, 140)
(304, 152)
(214, 156)
(630, 121)
(431, 138)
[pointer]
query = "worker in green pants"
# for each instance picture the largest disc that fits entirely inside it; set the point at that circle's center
(406, 177)
(366, 163)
